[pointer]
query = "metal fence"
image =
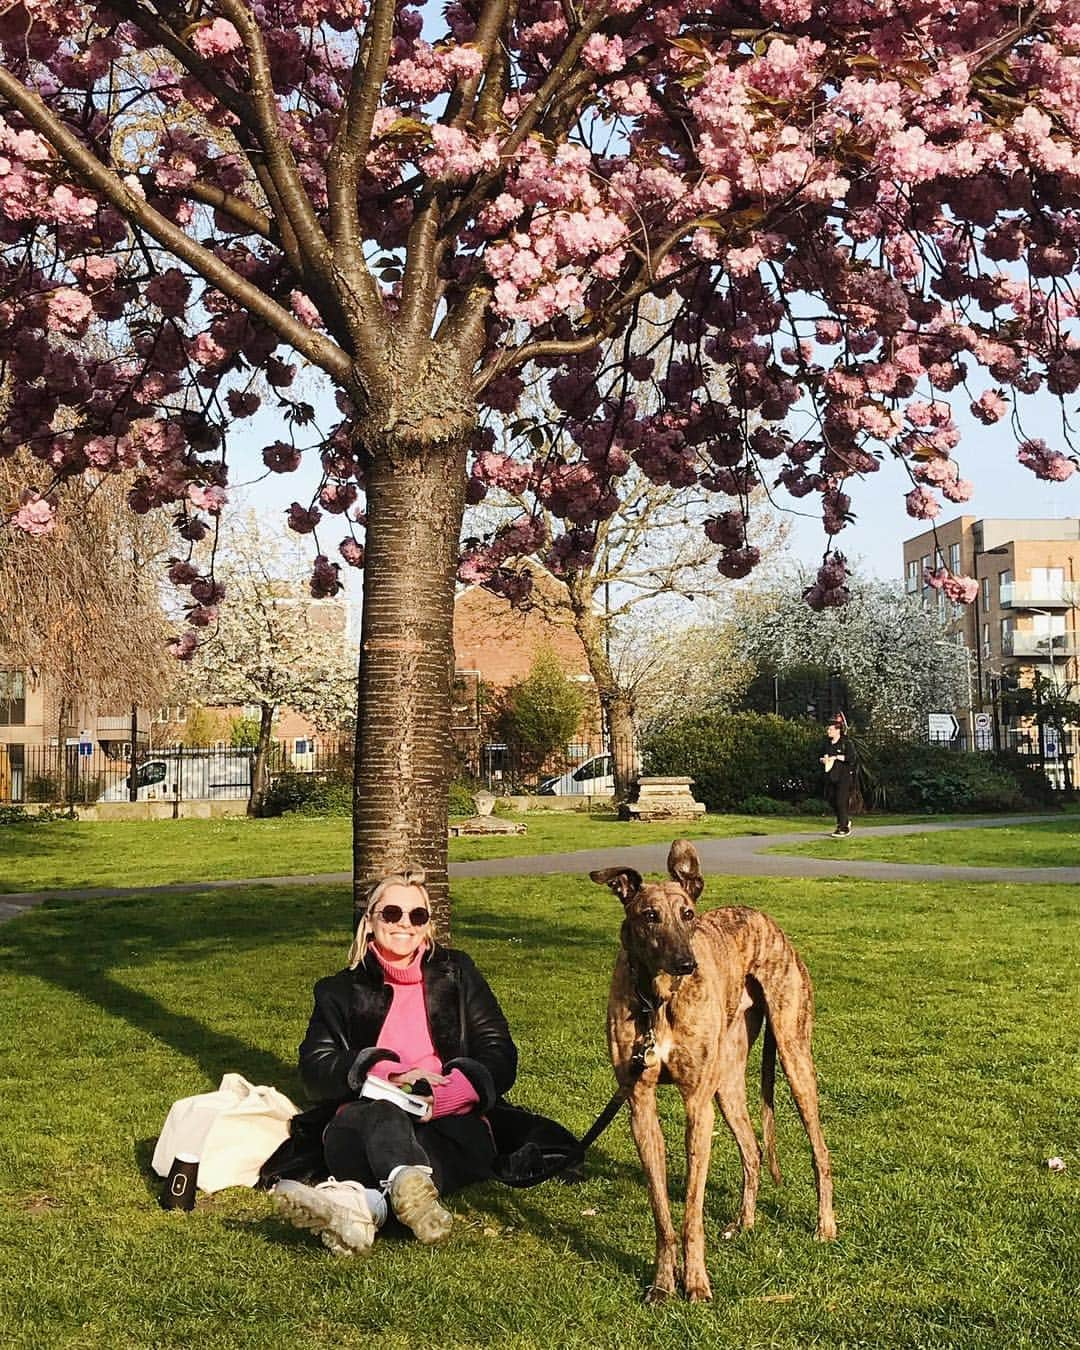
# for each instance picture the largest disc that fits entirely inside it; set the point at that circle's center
(79, 775)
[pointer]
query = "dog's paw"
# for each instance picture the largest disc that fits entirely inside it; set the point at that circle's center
(826, 1230)
(658, 1293)
(699, 1292)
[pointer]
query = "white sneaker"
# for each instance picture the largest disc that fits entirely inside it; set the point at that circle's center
(415, 1201)
(345, 1214)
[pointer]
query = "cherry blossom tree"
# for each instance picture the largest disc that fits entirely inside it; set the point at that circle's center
(864, 212)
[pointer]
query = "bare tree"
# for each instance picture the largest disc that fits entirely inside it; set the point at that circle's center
(83, 603)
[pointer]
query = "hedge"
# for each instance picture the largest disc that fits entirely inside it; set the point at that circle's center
(731, 758)
(741, 757)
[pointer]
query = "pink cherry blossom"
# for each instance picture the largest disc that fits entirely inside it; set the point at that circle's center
(281, 457)
(215, 39)
(35, 516)
(303, 519)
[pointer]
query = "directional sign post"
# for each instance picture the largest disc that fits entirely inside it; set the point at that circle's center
(942, 726)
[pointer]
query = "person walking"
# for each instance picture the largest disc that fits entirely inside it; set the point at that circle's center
(838, 761)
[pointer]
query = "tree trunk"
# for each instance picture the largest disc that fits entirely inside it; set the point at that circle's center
(623, 752)
(259, 770)
(404, 746)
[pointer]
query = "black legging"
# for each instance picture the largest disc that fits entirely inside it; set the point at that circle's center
(841, 793)
(367, 1139)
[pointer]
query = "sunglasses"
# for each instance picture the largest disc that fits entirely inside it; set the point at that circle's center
(394, 914)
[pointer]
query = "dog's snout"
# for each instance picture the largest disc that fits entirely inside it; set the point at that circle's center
(686, 965)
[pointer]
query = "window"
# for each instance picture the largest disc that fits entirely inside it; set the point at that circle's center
(16, 766)
(1004, 580)
(987, 648)
(912, 576)
(303, 746)
(954, 558)
(151, 774)
(181, 713)
(941, 604)
(1007, 628)
(986, 593)
(12, 698)
(924, 564)
(600, 767)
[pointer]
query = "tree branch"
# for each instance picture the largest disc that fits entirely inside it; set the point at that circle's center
(210, 195)
(94, 173)
(348, 154)
(297, 204)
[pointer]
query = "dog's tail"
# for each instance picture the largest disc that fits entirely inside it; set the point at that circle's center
(768, 1090)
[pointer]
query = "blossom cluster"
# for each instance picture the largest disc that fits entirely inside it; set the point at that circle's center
(636, 218)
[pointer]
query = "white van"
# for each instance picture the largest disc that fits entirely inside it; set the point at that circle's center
(593, 778)
(190, 776)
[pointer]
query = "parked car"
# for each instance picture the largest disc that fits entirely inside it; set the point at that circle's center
(593, 778)
(187, 776)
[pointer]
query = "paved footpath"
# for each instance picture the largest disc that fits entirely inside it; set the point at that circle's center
(743, 855)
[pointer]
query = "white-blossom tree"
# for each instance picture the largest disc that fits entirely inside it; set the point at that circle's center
(274, 645)
(894, 654)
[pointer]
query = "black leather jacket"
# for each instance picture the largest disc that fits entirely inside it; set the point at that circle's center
(468, 1029)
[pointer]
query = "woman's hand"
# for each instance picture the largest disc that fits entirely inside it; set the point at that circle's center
(410, 1076)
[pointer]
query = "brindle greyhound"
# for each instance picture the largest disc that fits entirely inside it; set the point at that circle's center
(688, 998)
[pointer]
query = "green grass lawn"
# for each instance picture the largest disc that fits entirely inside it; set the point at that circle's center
(156, 852)
(1055, 843)
(947, 1050)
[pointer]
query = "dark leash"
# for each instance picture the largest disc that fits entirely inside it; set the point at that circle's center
(644, 1056)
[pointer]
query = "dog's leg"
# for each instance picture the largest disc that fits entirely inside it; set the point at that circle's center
(768, 1095)
(700, 1118)
(798, 1063)
(649, 1138)
(731, 1096)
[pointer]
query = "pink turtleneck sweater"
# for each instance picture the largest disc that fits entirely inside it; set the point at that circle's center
(407, 1033)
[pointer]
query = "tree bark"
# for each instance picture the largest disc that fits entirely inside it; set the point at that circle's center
(623, 755)
(404, 746)
(259, 772)
(616, 701)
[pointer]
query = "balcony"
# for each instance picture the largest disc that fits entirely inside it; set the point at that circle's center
(1037, 646)
(1040, 595)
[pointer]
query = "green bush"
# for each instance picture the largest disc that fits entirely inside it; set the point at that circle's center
(307, 795)
(738, 756)
(19, 815)
(760, 763)
(813, 806)
(461, 800)
(766, 806)
(913, 776)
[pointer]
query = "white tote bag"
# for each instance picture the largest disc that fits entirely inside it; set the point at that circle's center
(232, 1132)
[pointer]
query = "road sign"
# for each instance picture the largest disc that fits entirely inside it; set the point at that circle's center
(942, 726)
(983, 722)
(1051, 743)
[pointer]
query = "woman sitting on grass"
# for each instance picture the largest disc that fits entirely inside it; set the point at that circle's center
(421, 1016)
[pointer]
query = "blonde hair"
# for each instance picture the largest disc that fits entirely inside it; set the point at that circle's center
(413, 877)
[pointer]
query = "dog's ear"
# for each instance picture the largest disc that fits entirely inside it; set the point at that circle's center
(624, 881)
(684, 866)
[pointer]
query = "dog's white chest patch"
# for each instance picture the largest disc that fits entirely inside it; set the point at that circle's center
(664, 1042)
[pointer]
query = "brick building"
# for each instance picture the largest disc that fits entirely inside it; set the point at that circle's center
(495, 646)
(1025, 617)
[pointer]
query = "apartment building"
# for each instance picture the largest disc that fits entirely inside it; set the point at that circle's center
(1025, 618)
